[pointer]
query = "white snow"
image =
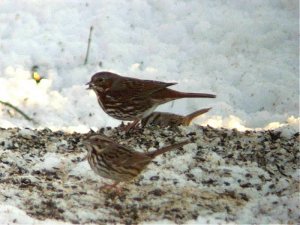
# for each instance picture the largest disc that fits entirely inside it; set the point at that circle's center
(50, 162)
(246, 52)
(26, 133)
(14, 215)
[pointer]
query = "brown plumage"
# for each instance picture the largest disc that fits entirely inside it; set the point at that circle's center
(117, 162)
(132, 99)
(164, 119)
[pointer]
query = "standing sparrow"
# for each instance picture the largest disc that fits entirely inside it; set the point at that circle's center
(132, 99)
(117, 162)
(163, 119)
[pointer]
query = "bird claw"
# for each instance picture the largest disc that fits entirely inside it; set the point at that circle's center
(130, 126)
(112, 187)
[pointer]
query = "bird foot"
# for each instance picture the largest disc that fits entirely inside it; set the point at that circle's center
(112, 187)
(130, 126)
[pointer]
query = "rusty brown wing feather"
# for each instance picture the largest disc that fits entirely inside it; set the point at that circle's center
(127, 158)
(137, 87)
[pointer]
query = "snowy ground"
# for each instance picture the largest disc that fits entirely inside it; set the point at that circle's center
(222, 176)
(246, 52)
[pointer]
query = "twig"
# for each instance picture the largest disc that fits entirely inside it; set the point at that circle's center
(17, 109)
(88, 47)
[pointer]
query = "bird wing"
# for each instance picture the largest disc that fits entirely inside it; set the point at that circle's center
(136, 87)
(125, 157)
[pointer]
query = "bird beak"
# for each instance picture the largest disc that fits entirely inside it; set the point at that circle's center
(89, 87)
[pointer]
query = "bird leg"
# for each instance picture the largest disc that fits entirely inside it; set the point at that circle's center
(112, 187)
(130, 126)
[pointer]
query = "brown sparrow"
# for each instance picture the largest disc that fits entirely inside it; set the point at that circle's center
(117, 162)
(163, 119)
(126, 98)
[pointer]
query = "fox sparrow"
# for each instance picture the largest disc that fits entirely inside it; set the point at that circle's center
(132, 99)
(117, 162)
(164, 119)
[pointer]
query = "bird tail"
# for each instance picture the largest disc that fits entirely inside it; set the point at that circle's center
(160, 151)
(195, 95)
(172, 94)
(187, 119)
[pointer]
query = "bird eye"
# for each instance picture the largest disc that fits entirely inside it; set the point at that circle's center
(101, 80)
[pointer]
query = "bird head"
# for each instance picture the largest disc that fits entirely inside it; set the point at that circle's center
(97, 141)
(102, 81)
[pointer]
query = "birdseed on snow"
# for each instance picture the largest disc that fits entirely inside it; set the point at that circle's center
(227, 175)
